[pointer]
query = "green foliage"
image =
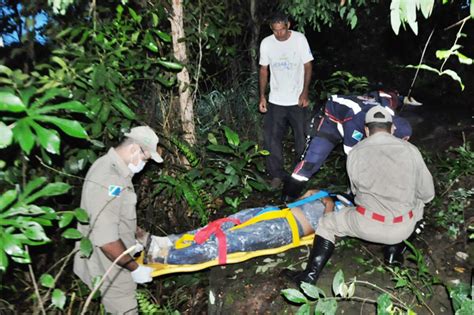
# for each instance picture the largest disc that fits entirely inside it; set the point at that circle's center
(342, 83)
(315, 301)
(29, 111)
(417, 280)
(461, 298)
(452, 200)
(402, 12)
(147, 307)
(231, 168)
(317, 14)
(106, 66)
(23, 223)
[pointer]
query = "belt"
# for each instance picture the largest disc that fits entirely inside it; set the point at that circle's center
(378, 217)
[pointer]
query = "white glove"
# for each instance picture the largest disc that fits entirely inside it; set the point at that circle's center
(138, 248)
(142, 274)
(411, 101)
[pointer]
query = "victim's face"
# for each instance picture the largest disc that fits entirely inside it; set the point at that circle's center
(281, 31)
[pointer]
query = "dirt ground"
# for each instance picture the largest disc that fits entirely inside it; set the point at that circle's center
(254, 287)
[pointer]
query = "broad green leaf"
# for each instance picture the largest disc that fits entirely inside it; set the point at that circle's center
(426, 7)
(73, 106)
(220, 148)
(211, 138)
(232, 137)
(59, 61)
(464, 59)
(337, 282)
(11, 245)
(134, 15)
(453, 76)
(424, 67)
(123, 109)
(31, 186)
(70, 127)
(23, 135)
(3, 261)
(22, 259)
(472, 13)
(49, 95)
(58, 298)
(304, 309)
(311, 290)
(165, 82)
(443, 54)
(66, 219)
(71, 233)
(34, 231)
(170, 65)
(152, 46)
(6, 136)
(294, 296)
(47, 280)
(327, 307)
(48, 138)
(52, 189)
(7, 198)
(81, 215)
(5, 70)
(164, 36)
(155, 19)
(395, 16)
(86, 247)
(11, 103)
(384, 305)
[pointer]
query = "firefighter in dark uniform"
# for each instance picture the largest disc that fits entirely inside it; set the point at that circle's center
(343, 121)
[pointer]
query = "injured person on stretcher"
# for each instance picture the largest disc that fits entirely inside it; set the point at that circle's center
(245, 231)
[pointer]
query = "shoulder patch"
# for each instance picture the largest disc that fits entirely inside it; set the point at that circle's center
(114, 190)
(357, 135)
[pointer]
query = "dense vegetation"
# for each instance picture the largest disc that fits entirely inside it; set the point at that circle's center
(71, 85)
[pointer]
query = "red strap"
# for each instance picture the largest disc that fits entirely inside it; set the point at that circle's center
(214, 227)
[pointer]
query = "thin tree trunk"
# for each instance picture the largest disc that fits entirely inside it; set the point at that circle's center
(184, 81)
(253, 45)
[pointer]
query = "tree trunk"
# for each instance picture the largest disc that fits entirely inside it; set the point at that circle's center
(184, 81)
(253, 45)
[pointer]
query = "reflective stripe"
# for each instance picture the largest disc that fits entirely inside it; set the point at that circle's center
(378, 217)
(299, 178)
(347, 149)
(346, 102)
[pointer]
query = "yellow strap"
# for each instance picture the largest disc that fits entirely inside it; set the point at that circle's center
(184, 241)
(277, 214)
(187, 239)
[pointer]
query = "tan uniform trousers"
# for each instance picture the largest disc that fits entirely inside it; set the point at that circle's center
(118, 296)
(349, 222)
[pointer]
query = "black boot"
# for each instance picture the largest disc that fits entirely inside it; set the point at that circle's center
(320, 254)
(292, 189)
(393, 254)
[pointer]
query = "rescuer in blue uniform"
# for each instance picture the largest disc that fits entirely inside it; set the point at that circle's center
(343, 121)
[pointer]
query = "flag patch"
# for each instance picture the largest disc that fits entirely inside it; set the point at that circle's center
(114, 190)
(356, 135)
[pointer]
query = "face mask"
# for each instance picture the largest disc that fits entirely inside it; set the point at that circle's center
(137, 168)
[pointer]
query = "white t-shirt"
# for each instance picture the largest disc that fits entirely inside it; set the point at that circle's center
(286, 60)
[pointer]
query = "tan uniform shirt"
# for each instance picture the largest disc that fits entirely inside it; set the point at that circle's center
(389, 177)
(109, 198)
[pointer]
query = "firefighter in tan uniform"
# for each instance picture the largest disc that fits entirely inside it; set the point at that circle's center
(391, 184)
(109, 198)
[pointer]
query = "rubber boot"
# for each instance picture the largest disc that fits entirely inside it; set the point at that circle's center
(292, 189)
(320, 254)
(393, 254)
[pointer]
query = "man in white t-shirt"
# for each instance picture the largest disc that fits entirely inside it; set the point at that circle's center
(288, 56)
